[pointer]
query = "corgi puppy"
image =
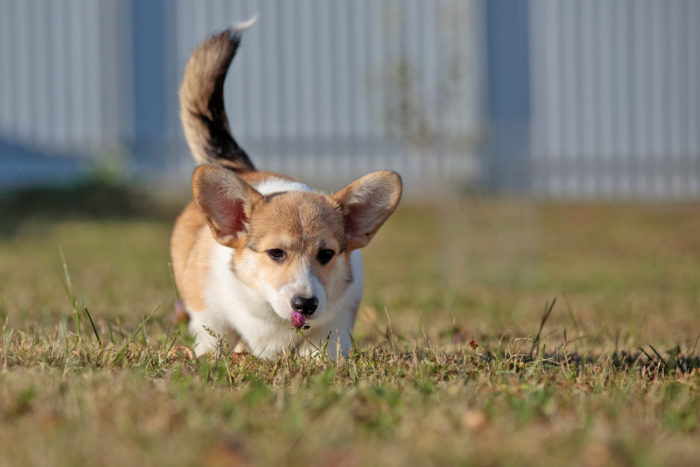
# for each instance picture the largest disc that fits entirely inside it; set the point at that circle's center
(257, 255)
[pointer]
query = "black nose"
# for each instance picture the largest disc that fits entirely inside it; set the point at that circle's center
(305, 306)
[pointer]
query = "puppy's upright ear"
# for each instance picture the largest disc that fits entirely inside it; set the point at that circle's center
(367, 203)
(226, 201)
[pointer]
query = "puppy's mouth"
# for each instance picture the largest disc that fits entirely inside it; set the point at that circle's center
(298, 320)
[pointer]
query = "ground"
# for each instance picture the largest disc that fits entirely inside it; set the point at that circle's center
(492, 331)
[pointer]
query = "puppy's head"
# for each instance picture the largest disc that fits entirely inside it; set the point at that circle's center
(293, 247)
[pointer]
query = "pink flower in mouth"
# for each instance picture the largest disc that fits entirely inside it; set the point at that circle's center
(298, 320)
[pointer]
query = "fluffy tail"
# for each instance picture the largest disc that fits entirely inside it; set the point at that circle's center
(202, 102)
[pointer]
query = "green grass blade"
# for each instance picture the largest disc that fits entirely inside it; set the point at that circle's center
(94, 328)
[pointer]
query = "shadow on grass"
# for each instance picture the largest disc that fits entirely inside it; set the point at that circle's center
(90, 199)
(650, 363)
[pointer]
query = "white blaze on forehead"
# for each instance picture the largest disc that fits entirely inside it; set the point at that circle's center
(304, 284)
(307, 285)
(301, 220)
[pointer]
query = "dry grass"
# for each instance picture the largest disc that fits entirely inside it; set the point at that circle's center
(612, 379)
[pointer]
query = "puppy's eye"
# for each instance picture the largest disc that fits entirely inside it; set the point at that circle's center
(325, 255)
(277, 255)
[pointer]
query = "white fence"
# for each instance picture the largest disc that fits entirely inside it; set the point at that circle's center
(616, 98)
(321, 89)
(578, 98)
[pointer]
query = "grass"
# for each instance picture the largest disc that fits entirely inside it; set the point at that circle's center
(492, 332)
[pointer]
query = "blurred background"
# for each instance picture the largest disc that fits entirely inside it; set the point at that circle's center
(582, 99)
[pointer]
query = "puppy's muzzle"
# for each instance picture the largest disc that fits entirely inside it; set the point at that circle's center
(305, 306)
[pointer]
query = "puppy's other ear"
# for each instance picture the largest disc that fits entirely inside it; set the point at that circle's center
(367, 203)
(226, 201)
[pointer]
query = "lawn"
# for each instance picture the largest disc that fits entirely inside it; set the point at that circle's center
(492, 332)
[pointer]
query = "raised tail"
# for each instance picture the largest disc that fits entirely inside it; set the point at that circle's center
(202, 109)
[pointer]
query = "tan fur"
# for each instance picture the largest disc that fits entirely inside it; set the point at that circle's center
(190, 248)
